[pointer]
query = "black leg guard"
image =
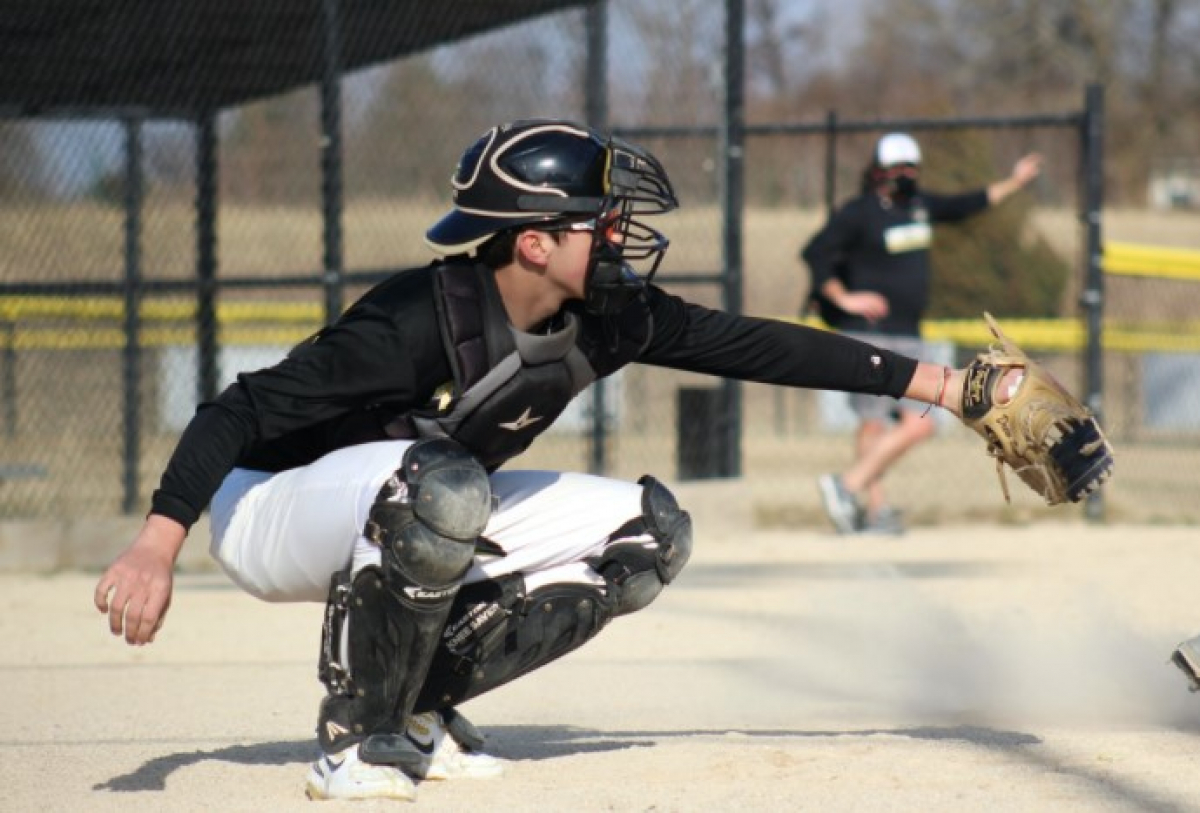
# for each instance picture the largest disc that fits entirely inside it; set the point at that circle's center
(398, 610)
(498, 633)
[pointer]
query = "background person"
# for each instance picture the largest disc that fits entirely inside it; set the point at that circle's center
(870, 272)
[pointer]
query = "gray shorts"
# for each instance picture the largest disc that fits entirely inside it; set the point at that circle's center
(884, 407)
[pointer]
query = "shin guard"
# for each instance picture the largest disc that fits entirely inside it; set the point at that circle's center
(393, 614)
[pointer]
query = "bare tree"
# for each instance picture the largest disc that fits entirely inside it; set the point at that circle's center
(271, 153)
(679, 55)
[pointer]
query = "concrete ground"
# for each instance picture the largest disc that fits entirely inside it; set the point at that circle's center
(956, 668)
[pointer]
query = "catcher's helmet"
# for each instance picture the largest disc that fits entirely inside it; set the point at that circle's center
(557, 173)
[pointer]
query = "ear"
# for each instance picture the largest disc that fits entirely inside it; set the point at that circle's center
(533, 247)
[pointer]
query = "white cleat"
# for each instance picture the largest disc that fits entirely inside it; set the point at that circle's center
(345, 776)
(447, 758)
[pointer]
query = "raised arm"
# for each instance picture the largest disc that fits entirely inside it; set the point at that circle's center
(1024, 171)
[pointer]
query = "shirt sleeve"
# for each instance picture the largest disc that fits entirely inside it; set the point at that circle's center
(359, 359)
(702, 340)
(949, 208)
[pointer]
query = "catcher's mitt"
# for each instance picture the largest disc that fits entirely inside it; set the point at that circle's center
(1041, 431)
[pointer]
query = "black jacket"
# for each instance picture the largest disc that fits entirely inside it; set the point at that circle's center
(872, 245)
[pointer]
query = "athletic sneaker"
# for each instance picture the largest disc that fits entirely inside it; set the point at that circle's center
(450, 756)
(1187, 658)
(345, 776)
(843, 510)
(886, 521)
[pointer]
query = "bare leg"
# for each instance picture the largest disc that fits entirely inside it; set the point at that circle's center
(869, 434)
(869, 468)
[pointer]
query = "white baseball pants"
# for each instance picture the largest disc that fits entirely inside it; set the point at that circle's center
(282, 536)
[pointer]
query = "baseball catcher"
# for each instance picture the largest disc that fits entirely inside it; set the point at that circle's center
(367, 470)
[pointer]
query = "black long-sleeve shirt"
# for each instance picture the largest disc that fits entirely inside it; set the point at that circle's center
(872, 244)
(385, 356)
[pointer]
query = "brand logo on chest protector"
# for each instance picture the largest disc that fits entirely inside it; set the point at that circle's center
(526, 419)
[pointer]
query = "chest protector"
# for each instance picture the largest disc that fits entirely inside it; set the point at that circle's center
(509, 386)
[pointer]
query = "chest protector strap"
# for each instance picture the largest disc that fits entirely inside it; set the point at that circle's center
(509, 386)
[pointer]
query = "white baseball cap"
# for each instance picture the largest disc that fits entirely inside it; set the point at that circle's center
(897, 148)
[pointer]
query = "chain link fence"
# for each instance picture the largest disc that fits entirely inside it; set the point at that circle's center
(96, 250)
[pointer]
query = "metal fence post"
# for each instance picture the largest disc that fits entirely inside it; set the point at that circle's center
(331, 159)
(132, 355)
(596, 112)
(831, 134)
(732, 157)
(207, 346)
(1092, 299)
(8, 385)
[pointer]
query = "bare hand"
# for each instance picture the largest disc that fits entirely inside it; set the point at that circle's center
(1027, 168)
(867, 304)
(135, 591)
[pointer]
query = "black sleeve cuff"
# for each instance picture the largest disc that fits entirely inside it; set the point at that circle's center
(174, 508)
(899, 373)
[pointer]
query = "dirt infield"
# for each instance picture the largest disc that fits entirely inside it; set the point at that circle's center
(955, 669)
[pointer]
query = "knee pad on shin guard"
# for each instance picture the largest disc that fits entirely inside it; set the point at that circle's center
(448, 500)
(647, 553)
(396, 611)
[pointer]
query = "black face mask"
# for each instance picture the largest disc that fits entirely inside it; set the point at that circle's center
(905, 188)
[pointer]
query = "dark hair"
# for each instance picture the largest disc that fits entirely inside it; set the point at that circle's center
(872, 176)
(498, 249)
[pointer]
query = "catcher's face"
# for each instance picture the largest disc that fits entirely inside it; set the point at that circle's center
(569, 264)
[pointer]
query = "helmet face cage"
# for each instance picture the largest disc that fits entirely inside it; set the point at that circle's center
(637, 185)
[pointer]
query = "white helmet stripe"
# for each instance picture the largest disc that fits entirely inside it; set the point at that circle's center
(510, 180)
(491, 137)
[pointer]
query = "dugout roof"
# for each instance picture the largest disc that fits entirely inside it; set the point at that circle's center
(176, 58)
